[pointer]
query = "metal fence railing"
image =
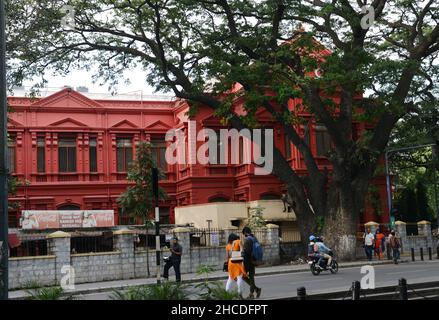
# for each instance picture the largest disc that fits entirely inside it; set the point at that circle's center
(207, 237)
(30, 248)
(92, 244)
(144, 241)
(411, 228)
(288, 236)
(261, 235)
(399, 291)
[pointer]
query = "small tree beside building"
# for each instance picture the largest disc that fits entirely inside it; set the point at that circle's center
(138, 199)
(256, 219)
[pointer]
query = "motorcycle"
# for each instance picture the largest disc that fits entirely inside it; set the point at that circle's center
(316, 268)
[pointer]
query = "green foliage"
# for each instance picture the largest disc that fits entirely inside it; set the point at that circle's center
(217, 291)
(320, 222)
(424, 210)
(175, 291)
(31, 284)
(412, 204)
(205, 270)
(13, 184)
(213, 290)
(256, 218)
(259, 45)
(138, 199)
(163, 291)
(47, 293)
(374, 199)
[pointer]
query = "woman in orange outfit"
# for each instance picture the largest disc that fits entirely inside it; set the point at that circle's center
(379, 238)
(235, 268)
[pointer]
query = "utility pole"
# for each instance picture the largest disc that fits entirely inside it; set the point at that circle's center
(435, 170)
(155, 189)
(4, 248)
(389, 191)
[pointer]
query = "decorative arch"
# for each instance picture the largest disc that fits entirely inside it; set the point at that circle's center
(270, 196)
(69, 206)
(218, 198)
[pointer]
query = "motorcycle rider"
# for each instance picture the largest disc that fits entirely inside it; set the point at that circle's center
(323, 251)
(313, 252)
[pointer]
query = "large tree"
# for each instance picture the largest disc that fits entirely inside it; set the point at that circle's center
(198, 49)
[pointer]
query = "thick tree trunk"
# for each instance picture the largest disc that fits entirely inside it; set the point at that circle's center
(306, 219)
(345, 201)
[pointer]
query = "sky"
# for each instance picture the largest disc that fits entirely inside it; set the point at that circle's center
(83, 78)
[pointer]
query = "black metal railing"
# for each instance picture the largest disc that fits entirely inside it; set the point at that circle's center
(143, 241)
(260, 235)
(207, 237)
(91, 244)
(400, 291)
(30, 248)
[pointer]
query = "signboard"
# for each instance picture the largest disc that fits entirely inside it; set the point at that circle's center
(60, 219)
(214, 239)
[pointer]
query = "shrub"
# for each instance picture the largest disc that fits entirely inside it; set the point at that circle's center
(163, 291)
(48, 293)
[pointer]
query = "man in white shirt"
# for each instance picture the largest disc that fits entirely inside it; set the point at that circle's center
(368, 244)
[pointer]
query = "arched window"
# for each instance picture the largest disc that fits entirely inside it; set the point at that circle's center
(69, 207)
(323, 140)
(270, 196)
(219, 199)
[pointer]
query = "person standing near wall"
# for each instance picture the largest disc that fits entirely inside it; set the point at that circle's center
(395, 245)
(248, 261)
(368, 244)
(174, 261)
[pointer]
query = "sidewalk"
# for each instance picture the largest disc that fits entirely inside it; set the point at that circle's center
(85, 288)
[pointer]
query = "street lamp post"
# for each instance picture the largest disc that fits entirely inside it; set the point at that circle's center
(3, 162)
(155, 189)
(389, 191)
(435, 169)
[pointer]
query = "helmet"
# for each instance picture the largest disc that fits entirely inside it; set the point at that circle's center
(312, 238)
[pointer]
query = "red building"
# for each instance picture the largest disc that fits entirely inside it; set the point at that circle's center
(73, 151)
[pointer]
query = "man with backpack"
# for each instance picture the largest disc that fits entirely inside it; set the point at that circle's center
(252, 255)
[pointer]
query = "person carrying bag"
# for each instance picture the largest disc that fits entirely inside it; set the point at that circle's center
(235, 264)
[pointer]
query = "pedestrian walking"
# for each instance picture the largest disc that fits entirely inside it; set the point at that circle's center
(249, 264)
(235, 264)
(174, 260)
(395, 245)
(379, 243)
(368, 244)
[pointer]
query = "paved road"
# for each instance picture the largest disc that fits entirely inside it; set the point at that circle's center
(283, 285)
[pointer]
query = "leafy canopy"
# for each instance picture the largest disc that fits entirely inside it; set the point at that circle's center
(138, 199)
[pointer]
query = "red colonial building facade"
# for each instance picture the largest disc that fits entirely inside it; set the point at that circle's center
(73, 153)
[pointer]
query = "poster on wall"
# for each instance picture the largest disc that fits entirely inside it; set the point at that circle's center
(63, 219)
(214, 239)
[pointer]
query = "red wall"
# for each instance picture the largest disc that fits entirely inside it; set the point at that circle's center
(68, 111)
